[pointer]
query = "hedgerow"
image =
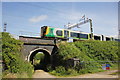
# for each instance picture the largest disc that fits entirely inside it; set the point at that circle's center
(12, 57)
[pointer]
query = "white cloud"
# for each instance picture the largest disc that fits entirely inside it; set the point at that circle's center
(74, 15)
(38, 18)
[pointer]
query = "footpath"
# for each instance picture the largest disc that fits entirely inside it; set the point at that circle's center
(106, 74)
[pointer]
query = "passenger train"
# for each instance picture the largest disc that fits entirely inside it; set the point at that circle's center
(64, 34)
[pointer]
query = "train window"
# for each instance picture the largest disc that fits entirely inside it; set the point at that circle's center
(66, 33)
(107, 39)
(112, 39)
(51, 30)
(117, 40)
(97, 37)
(83, 36)
(74, 34)
(59, 33)
(43, 31)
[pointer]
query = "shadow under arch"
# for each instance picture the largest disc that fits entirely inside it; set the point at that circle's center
(43, 64)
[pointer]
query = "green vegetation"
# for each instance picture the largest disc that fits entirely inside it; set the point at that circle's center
(115, 73)
(39, 60)
(13, 62)
(92, 55)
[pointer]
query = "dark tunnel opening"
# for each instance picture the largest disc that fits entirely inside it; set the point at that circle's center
(40, 59)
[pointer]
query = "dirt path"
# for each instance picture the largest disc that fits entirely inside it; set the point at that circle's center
(106, 74)
(42, 74)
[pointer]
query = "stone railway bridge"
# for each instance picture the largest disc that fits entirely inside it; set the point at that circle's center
(33, 45)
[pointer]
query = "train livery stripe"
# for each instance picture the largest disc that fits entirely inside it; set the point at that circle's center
(47, 30)
(63, 33)
(83, 39)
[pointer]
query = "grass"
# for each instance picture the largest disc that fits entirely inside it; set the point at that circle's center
(72, 72)
(115, 73)
(11, 75)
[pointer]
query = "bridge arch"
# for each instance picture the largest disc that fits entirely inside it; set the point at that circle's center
(47, 57)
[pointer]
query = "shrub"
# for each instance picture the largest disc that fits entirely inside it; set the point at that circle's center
(60, 69)
(72, 72)
(90, 53)
(12, 58)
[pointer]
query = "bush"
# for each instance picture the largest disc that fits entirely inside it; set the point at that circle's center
(60, 69)
(90, 53)
(12, 58)
(49, 68)
(72, 72)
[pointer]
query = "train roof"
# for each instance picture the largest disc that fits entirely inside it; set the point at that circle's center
(97, 34)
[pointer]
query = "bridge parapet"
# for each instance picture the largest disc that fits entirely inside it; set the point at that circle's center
(36, 40)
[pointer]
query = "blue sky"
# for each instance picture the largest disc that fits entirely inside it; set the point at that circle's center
(30, 16)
